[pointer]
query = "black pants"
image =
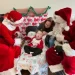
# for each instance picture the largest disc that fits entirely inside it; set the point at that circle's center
(36, 51)
(25, 72)
(60, 73)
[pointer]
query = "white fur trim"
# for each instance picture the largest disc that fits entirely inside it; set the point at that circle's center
(68, 50)
(50, 33)
(8, 25)
(56, 68)
(66, 28)
(18, 41)
(19, 21)
(8, 72)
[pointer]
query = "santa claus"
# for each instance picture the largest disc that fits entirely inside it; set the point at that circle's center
(9, 44)
(69, 51)
(64, 35)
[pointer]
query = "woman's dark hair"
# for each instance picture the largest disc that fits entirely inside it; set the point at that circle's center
(50, 20)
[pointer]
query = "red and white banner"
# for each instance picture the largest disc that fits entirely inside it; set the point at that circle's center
(31, 19)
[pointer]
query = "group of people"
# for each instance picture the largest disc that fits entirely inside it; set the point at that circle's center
(60, 40)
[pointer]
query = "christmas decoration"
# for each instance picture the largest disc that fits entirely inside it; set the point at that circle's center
(31, 18)
(33, 10)
(31, 21)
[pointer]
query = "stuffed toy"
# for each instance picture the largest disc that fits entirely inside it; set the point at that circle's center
(55, 54)
(35, 45)
(9, 43)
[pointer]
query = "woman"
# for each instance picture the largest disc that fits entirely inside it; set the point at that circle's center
(47, 25)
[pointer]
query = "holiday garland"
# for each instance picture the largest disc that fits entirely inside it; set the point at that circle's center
(31, 8)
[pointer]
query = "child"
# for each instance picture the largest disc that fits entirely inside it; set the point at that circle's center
(36, 44)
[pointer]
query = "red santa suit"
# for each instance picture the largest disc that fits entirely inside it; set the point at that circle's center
(69, 50)
(54, 58)
(9, 45)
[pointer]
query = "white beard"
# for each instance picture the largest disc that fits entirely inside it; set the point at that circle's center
(9, 25)
(57, 29)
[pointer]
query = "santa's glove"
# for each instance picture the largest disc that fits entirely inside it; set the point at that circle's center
(18, 41)
(47, 40)
(59, 50)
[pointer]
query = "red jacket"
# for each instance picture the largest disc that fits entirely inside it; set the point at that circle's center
(7, 49)
(38, 43)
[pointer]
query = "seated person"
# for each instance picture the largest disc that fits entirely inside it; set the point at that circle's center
(36, 44)
(47, 25)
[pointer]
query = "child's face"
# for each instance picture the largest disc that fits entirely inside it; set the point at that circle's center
(39, 35)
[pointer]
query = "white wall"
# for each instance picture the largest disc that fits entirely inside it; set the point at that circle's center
(7, 5)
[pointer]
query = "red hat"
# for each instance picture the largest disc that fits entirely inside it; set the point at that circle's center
(15, 16)
(65, 13)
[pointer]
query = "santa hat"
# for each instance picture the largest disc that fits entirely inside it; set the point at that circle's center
(15, 16)
(65, 14)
